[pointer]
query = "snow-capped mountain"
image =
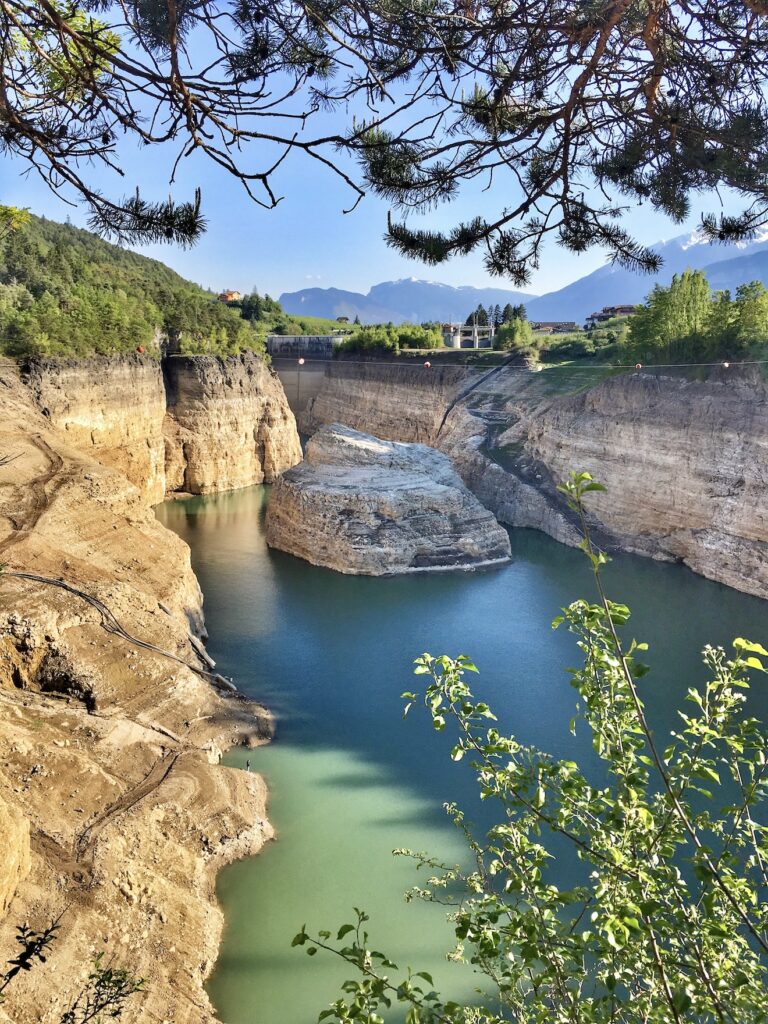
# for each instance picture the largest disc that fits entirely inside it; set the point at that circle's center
(727, 266)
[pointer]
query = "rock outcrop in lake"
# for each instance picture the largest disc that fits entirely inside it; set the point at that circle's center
(361, 505)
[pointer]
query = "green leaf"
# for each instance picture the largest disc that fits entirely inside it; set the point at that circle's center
(681, 1000)
(745, 645)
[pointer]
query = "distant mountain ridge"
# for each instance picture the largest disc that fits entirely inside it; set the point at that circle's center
(418, 301)
(406, 300)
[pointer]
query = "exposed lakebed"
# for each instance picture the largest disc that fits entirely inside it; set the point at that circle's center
(349, 780)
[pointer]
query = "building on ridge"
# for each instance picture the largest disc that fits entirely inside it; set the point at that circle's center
(609, 313)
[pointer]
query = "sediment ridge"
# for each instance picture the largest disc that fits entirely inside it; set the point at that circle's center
(685, 461)
(115, 812)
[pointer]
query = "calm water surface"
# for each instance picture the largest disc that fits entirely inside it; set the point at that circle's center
(349, 780)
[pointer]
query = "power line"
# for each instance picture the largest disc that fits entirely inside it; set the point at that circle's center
(439, 363)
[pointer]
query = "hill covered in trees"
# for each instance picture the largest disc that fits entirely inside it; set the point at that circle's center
(65, 292)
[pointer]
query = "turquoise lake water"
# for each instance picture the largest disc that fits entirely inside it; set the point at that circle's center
(349, 780)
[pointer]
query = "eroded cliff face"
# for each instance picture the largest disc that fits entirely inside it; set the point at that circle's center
(228, 424)
(685, 462)
(114, 808)
(15, 862)
(193, 423)
(113, 407)
(393, 401)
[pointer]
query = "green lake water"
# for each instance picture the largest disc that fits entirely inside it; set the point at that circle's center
(349, 780)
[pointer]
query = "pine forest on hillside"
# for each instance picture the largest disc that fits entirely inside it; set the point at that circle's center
(65, 292)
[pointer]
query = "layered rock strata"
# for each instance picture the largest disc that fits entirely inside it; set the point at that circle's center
(195, 424)
(113, 408)
(361, 505)
(228, 424)
(685, 461)
(400, 402)
(685, 464)
(115, 813)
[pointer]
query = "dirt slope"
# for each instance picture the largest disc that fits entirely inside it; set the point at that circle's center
(115, 812)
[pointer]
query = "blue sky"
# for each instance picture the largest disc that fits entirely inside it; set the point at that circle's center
(307, 241)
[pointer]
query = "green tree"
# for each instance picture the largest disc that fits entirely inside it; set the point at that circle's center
(751, 314)
(685, 321)
(508, 313)
(478, 317)
(721, 328)
(667, 921)
(387, 339)
(674, 322)
(66, 292)
(515, 334)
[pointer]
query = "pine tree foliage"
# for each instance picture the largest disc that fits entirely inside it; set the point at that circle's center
(568, 110)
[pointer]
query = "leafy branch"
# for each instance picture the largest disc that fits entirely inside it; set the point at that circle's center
(668, 923)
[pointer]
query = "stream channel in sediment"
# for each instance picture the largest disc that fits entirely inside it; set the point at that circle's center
(349, 780)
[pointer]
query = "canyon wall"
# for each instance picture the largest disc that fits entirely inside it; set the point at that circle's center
(228, 424)
(15, 863)
(685, 461)
(685, 464)
(115, 813)
(112, 407)
(397, 402)
(191, 423)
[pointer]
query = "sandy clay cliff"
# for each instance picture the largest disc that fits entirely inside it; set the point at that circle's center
(193, 424)
(685, 461)
(114, 810)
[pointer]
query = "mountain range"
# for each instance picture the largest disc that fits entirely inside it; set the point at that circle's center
(419, 301)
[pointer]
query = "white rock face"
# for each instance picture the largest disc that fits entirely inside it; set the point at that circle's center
(364, 506)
